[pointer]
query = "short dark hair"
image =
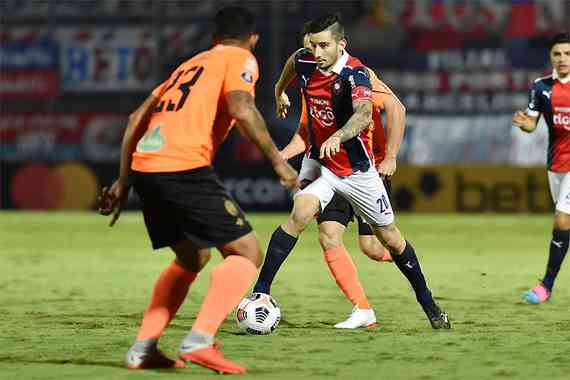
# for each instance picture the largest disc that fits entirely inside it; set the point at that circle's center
(234, 22)
(306, 28)
(560, 38)
(330, 21)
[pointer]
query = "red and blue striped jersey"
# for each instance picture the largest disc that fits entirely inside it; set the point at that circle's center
(550, 97)
(329, 100)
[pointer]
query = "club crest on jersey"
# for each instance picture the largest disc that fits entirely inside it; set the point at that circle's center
(247, 76)
(336, 87)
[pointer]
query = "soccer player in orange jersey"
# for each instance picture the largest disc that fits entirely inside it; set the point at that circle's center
(167, 154)
(336, 216)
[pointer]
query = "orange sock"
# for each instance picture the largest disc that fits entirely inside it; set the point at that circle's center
(344, 272)
(229, 281)
(169, 292)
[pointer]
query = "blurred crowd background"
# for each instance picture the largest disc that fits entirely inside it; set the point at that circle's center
(71, 71)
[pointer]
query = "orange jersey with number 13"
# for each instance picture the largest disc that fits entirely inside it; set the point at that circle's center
(191, 118)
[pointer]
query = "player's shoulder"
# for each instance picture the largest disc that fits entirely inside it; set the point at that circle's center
(372, 74)
(355, 66)
(545, 81)
(232, 54)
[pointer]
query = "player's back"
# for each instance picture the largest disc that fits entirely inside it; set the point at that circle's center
(191, 119)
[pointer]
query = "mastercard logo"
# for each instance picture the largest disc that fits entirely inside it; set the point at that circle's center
(69, 185)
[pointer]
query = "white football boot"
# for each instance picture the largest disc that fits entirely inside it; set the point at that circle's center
(358, 318)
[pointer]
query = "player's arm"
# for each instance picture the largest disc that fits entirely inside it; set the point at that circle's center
(282, 102)
(359, 121)
(525, 122)
(395, 125)
(111, 199)
(299, 142)
(241, 107)
(296, 146)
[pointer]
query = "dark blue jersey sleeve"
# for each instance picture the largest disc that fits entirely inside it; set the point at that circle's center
(360, 84)
(535, 99)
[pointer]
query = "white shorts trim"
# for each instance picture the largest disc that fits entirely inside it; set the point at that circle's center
(310, 169)
(559, 184)
(364, 190)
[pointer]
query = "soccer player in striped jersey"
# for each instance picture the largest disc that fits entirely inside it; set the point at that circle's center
(336, 216)
(337, 92)
(550, 97)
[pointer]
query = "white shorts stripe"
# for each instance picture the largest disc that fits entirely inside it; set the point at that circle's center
(364, 190)
(559, 184)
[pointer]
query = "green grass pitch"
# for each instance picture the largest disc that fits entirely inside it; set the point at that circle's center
(72, 293)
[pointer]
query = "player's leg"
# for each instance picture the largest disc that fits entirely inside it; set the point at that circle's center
(369, 243)
(229, 281)
(172, 284)
(306, 204)
(405, 258)
(169, 293)
(205, 213)
(332, 224)
(368, 196)
(560, 190)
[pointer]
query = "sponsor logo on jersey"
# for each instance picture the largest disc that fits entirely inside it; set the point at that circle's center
(321, 110)
(152, 141)
(562, 119)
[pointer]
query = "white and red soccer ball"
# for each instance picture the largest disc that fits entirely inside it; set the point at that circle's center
(258, 314)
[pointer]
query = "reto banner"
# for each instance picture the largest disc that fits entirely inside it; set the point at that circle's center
(113, 59)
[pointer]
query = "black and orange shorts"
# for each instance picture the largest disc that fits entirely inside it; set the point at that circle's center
(189, 205)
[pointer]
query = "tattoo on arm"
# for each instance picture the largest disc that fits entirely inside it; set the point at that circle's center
(358, 122)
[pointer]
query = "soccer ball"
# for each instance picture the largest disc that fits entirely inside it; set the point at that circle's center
(258, 314)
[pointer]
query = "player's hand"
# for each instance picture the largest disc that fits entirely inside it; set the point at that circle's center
(112, 199)
(287, 175)
(330, 147)
(387, 167)
(284, 155)
(523, 121)
(282, 105)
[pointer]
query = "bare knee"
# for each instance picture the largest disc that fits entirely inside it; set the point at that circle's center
(247, 246)
(189, 257)
(561, 221)
(391, 238)
(371, 247)
(304, 210)
(330, 235)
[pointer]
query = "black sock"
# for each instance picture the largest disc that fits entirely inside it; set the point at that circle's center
(280, 245)
(558, 249)
(409, 265)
